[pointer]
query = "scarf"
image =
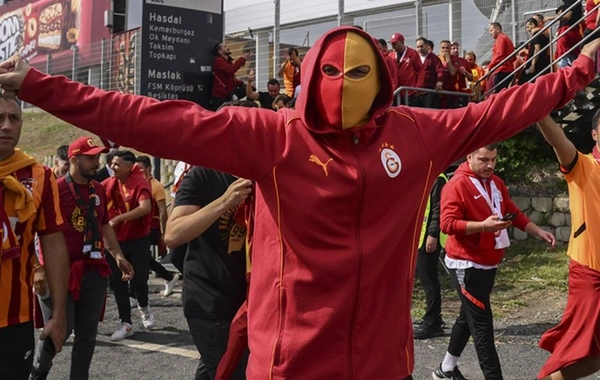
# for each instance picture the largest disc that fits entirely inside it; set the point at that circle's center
(244, 216)
(17, 202)
(596, 153)
(502, 240)
(120, 198)
(92, 244)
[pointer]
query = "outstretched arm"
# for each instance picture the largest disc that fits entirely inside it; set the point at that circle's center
(242, 141)
(502, 115)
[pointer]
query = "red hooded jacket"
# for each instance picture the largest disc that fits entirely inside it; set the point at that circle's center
(224, 80)
(338, 212)
(409, 67)
(462, 202)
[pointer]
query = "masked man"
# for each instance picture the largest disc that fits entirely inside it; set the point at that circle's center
(341, 187)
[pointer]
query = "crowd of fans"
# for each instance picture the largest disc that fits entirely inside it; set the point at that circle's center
(448, 69)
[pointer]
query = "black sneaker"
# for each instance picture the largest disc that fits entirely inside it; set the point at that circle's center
(421, 332)
(420, 322)
(438, 374)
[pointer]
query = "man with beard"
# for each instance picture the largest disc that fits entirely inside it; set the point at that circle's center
(475, 212)
(224, 69)
(341, 186)
(83, 205)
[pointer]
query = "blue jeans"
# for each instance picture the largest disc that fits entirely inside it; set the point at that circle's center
(82, 316)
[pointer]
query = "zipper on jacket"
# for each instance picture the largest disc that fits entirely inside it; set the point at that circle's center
(359, 254)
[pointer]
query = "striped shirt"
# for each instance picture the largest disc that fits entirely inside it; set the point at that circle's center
(16, 275)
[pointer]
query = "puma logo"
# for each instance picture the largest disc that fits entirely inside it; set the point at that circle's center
(316, 160)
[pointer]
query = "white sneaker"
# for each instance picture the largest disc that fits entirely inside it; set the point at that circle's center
(147, 317)
(124, 331)
(170, 285)
(132, 302)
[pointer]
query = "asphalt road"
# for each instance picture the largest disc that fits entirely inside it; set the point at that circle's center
(167, 351)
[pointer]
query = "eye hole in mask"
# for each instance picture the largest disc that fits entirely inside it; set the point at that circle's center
(356, 73)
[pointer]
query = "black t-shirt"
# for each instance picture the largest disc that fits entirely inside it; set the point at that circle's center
(575, 16)
(543, 59)
(265, 100)
(214, 284)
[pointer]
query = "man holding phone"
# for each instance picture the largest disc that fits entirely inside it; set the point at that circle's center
(475, 212)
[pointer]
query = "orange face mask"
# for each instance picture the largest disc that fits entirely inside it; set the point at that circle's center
(347, 81)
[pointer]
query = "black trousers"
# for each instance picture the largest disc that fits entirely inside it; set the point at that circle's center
(476, 319)
(210, 338)
(16, 351)
(427, 272)
(137, 252)
(429, 101)
(500, 77)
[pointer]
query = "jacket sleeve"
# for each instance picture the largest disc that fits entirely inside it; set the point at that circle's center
(510, 207)
(221, 66)
(496, 54)
(439, 69)
(417, 64)
(501, 116)
(452, 216)
(433, 229)
(242, 141)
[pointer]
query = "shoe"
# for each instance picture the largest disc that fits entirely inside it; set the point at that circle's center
(438, 374)
(170, 285)
(419, 322)
(147, 317)
(35, 375)
(124, 331)
(132, 302)
(422, 332)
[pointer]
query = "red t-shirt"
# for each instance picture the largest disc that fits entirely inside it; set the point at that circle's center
(124, 197)
(74, 217)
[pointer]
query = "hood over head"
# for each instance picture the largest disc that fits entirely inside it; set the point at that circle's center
(345, 82)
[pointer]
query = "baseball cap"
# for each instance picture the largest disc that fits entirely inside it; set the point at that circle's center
(455, 43)
(397, 37)
(86, 146)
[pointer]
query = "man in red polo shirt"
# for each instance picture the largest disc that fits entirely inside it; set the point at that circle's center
(503, 47)
(129, 210)
(409, 67)
(83, 206)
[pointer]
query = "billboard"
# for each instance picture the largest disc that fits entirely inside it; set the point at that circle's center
(124, 62)
(177, 39)
(35, 29)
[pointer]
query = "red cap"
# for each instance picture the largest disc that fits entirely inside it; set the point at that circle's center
(86, 146)
(397, 37)
(455, 43)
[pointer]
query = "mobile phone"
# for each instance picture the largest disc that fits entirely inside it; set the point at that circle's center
(508, 217)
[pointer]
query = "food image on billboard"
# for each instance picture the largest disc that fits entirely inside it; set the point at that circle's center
(124, 62)
(46, 26)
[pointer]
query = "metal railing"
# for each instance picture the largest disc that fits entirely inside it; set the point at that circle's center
(406, 89)
(516, 51)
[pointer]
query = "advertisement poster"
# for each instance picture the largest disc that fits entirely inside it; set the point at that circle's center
(44, 27)
(125, 62)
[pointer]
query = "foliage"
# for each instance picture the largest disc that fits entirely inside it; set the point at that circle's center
(529, 270)
(518, 155)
